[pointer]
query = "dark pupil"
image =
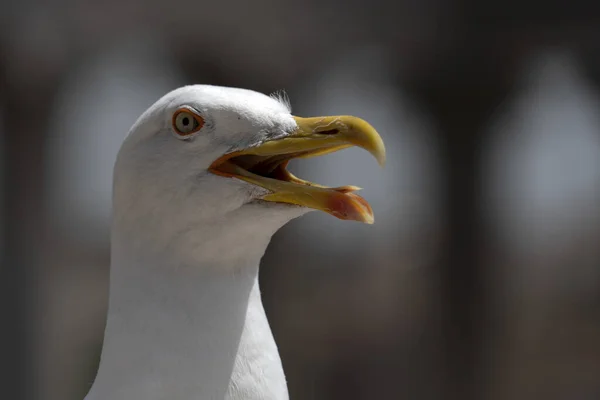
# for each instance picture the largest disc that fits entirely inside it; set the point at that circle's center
(186, 121)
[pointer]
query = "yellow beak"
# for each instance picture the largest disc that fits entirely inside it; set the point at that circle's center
(265, 165)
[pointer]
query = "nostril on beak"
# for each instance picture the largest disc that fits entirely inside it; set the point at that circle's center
(329, 132)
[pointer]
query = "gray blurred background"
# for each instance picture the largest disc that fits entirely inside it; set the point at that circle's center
(481, 276)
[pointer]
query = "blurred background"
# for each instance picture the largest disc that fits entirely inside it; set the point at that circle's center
(481, 276)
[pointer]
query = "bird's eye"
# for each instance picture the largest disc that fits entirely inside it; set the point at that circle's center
(186, 122)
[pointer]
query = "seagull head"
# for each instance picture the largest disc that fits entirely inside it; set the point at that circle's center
(215, 154)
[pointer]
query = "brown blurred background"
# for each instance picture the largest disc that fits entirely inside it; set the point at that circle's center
(481, 276)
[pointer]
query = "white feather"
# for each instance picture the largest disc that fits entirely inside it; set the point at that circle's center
(185, 316)
(282, 97)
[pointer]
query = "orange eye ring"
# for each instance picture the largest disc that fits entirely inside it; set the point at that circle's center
(186, 122)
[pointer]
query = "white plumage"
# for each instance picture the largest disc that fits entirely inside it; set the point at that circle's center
(185, 316)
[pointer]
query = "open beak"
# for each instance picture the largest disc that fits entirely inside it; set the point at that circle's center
(265, 165)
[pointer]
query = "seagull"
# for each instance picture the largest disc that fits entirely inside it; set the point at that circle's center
(200, 185)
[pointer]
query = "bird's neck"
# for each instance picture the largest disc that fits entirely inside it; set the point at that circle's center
(179, 330)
